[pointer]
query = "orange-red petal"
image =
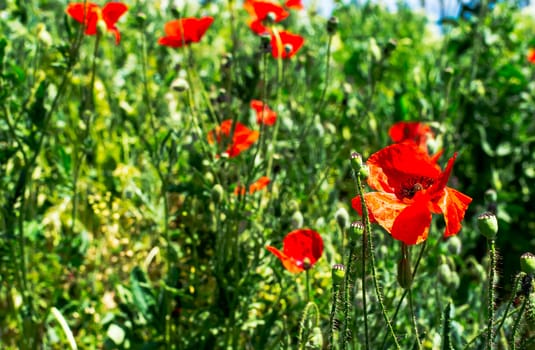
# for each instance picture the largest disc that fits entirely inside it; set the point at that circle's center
(184, 31)
(263, 8)
(294, 4)
(264, 115)
(111, 12)
(285, 44)
(383, 208)
(411, 226)
(288, 262)
(88, 15)
(453, 205)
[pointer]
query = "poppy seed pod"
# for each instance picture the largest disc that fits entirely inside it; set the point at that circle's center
(297, 220)
(217, 194)
(527, 263)
(454, 245)
(357, 227)
(265, 43)
(488, 225)
(141, 18)
(332, 25)
(180, 85)
(357, 160)
(342, 218)
(338, 273)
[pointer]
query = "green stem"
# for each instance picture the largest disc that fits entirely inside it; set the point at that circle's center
(517, 322)
(307, 277)
(368, 232)
(516, 285)
(492, 270)
(413, 318)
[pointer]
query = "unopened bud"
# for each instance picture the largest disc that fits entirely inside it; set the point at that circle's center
(444, 274)
(342, 218)
(390, 47)
(265, 43)
(180, 85)
(293, 206)
(332, 25)
(404, 276)
(488, 225)
(454, 245)
(338, 273)
(364, 172)
(357, 160)
(141, 18)
(217, 193)
(297, 220)
(527, 263)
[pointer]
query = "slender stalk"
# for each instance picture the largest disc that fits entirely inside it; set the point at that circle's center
(517, 322)
(413, 318)
(516, 285)
(368, 232)
(492, 271)
(307, 278)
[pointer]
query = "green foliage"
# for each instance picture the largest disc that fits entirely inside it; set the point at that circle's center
(120, 226)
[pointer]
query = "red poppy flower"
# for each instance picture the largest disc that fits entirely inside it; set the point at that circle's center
(411, 188)
(260, 10)
(263, 115)
(531, 55)
(287, 46)
(301, 249)
(242, 138)
(181, 32)
(411, 131)
(92, 13)
(258, 185)
(294, 4)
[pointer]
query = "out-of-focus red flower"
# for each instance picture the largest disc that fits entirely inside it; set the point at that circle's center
(531, 55)
(285, 44)
(302, 248)
(184, 31)
(242, 138)
(261, 10)
(90, 14)
(294, 4)
(411, 187)
(258, 185)
(411, 131)
(263, 115)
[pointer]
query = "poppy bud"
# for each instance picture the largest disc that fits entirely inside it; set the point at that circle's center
(357, 160)
(222, 96)
(175, 12)
(217, 193)
(342, 218)
(265, 43)
(297, 220)
(332, 25)
(448, 72)
(43, 35)
(141, 18)
(180, 85)
(357, 227)
(527, 263)
(390, 47)
(338, 273)
(454, 245)
(488, 225)
(364, 172)
(404, 276)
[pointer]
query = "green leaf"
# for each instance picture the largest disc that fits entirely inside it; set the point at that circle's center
(142, 293)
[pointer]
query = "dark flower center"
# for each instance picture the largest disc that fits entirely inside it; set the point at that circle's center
(409, 188)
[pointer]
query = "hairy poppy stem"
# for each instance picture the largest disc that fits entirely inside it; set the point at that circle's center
(517, 322)
(492, 271)
(368, 234)
(516, 285)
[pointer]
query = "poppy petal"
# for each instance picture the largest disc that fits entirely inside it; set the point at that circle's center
(412, 224)
(285, 44)
(87, 15)
(303, 243)
(288, 262)
(453, 205)
(112, 11)
(383, 208)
